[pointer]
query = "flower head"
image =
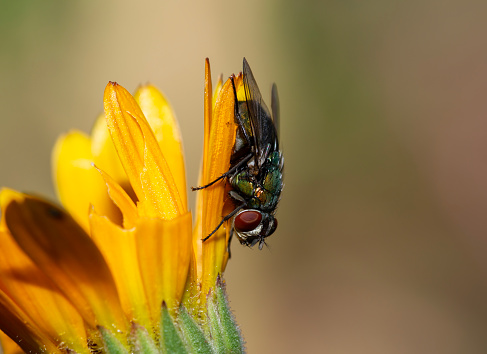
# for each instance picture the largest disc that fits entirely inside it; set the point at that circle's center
(121, 263)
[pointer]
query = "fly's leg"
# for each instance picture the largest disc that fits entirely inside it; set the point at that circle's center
(243, 161)
(229, 242)
(230, 172)
(227, 217)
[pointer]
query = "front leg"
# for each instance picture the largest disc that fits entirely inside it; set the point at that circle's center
(230, 215)
(230, 172)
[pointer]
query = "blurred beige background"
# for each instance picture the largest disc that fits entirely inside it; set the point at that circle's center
(382, 229)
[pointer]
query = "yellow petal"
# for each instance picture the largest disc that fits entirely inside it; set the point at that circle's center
(164, 252)
(140, 155)
(126, 134)
(160, 190)
(6, 196)
(39, 298)
(163, 122)
(241, 95)
(67, 255)
(118, 246)
(78, 184)
(104, 154)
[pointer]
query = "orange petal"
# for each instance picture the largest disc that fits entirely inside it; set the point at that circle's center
(208, 115)
(119, 249)
(164, 253)
(78, 184)
(68, 256)
(216, 161)
(198, 235)
(8, 346)
(163, 122)
(217, 157)
(15, 323)
(140, 155)
(208, 109)
(39, 298)
(218, 87)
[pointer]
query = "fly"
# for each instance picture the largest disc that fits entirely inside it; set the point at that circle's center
(256, 166)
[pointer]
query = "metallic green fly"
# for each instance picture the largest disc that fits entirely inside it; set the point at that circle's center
(256, 165)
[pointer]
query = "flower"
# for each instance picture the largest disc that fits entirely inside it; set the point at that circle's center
(120, 268)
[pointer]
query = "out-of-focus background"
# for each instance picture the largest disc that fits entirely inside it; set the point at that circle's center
(382, 238)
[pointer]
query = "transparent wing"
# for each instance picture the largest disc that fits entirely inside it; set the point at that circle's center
(275, 109)
(263, 129)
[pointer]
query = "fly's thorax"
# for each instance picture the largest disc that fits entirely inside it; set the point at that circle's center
(261, 192)
(263, 199)
(244, 183)
(250, 190)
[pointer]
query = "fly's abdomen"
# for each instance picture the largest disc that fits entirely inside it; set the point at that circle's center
(271, 181)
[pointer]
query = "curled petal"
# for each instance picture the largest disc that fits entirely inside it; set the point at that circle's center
(162, 120)
(140, 155)
(122, 200)
(162, 198)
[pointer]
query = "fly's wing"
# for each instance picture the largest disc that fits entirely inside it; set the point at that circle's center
(263, 129)
(275, 110)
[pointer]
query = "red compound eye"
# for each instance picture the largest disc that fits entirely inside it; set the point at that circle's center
(247, 220)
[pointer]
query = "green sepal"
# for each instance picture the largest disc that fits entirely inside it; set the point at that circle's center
(111, 344)
(184, 335)
(223, 321)
(142, 341)
(170, 340)
(193, 335)
(214, 324)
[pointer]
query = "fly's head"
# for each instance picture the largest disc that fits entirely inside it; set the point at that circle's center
(253, 226)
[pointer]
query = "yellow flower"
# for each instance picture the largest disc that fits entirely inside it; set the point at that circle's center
(107, 271)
